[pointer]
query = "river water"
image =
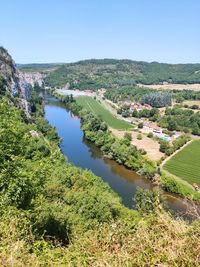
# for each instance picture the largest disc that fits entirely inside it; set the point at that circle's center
(85, 154)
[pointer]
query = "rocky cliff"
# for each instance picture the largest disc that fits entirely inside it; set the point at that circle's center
(33, 78)
(12, 83)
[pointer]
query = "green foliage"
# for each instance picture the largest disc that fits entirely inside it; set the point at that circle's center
(150, 135)
(181, 119)
(148, 201)
(117, 94)
(55, 213)
(164, 146)
(168, 149)
(158, 99)
(121, 151)
(128, 137)
(140, 125)
(178, 186)
(35, 176)
(107, 73)
(2, 86)
(139, 137)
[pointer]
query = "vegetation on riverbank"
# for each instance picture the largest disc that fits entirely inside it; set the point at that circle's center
(95, 130)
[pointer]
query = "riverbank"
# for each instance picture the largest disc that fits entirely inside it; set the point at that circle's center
(141, 165)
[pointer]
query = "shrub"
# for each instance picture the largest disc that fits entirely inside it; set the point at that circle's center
(150, 135)
(140, 125)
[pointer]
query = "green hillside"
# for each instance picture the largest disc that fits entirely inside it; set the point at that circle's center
(98, 73)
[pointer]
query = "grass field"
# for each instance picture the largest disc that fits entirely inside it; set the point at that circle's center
(91, 104)
(186, 163)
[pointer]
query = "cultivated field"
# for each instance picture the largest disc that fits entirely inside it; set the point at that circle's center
(186, 163)
(193, 87)
(91, 104)
(191, 102)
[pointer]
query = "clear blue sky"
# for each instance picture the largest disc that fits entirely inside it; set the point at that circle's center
(71, 30)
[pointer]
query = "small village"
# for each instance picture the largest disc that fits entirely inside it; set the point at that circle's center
(147, 126)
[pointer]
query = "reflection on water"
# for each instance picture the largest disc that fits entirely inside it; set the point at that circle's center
(85, 154)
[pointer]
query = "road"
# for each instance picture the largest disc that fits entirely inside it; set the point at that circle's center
(113, 110)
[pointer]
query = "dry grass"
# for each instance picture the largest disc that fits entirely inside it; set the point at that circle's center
(191, 102)
(154, 240)
(149, 145)
(193, 87)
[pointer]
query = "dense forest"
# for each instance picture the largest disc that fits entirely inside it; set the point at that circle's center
(105, 73)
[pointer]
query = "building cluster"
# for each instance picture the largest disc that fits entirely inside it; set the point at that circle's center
(158, 131)
(134, 105)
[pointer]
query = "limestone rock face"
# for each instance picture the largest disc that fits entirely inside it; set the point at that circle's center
(33, 78)
(15, 86)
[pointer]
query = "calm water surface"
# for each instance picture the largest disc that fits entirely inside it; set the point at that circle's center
(85, 154)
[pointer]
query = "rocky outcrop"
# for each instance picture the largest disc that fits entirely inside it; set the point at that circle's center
(15, 86)
(33, 78)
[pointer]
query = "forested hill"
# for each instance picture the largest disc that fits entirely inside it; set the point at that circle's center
(55, 214)
(98, 73)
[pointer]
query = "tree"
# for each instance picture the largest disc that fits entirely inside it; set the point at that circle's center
(135, 113)
(128, 136)
(157, 100)
(140, 125)
(164, 145)
(172, 125)
(150, 135)
(148, 201)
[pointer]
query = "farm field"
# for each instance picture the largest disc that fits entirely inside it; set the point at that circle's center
(193, 87)
(191, 102)
(186, 163)
(91, 104)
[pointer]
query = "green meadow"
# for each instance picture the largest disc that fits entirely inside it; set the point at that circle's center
(94, 106)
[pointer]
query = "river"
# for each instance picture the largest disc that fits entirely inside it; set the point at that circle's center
(85, 154)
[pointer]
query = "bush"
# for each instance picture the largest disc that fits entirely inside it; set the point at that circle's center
(150, 135)
(148, 201)
(139, 137)
(140, 125)
(128, 136)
